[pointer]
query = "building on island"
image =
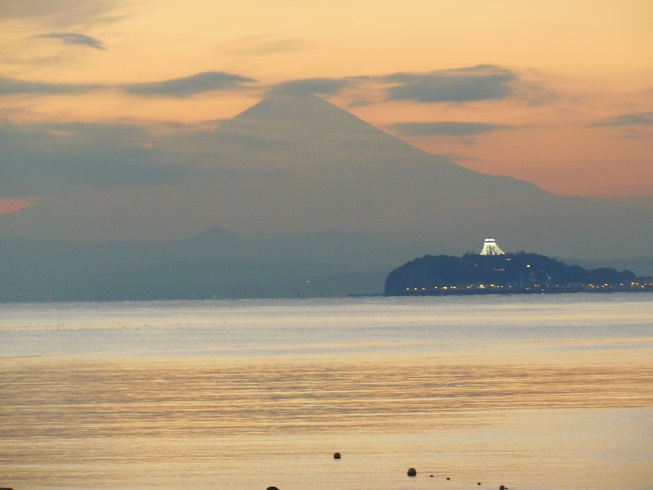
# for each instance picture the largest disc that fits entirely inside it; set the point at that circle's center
(490, 247)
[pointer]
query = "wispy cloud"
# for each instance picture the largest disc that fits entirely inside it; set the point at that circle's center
(311, 86)
(446, 128)
(483, 82)
(633, 119)
(178, 87)
(460, 85)
(480, 82)
(10, 86)
(61, 13)
(257, 45)
(74, 39)
(187, 86)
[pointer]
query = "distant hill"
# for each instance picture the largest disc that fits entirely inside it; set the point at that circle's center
(216, 264)
(510, 273)
(642, 266)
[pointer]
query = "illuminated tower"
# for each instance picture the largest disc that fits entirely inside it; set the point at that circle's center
(490, 247)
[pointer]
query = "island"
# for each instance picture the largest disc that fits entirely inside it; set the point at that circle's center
(496, 272)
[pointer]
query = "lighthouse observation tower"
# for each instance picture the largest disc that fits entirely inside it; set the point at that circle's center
(490, 247)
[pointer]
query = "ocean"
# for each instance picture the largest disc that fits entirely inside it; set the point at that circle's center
(473, 392)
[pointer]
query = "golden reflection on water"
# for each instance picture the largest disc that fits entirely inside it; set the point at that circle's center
(201, 398)
(162, 423)
(195, 403)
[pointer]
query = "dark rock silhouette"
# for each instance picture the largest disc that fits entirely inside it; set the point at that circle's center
(412, 472)
(336, 455)
(501, 274)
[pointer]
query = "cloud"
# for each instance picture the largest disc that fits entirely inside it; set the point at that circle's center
(634, 119)
(186, 86)
(10, 86)
(57, 12)
(475, 83)
(482, 82)
(178, 87)
(73, 38)
(311, 86)
(446, 128)
(50, 158)
(40, 159)
(257, 45)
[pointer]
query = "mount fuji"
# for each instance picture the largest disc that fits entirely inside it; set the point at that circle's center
(294, 165)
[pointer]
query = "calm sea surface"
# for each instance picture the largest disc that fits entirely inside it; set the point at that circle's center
(525, 391)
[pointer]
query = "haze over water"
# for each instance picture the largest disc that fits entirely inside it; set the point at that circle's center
(527, 391)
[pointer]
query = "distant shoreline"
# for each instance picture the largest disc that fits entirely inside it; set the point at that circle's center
(645, 290)
(511, 292)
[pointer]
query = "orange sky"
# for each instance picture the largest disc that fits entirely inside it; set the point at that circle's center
(577, 118)
(10, 205)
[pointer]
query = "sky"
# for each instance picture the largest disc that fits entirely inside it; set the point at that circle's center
(556, 93)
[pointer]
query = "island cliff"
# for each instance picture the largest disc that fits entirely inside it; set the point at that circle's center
(513, 273)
